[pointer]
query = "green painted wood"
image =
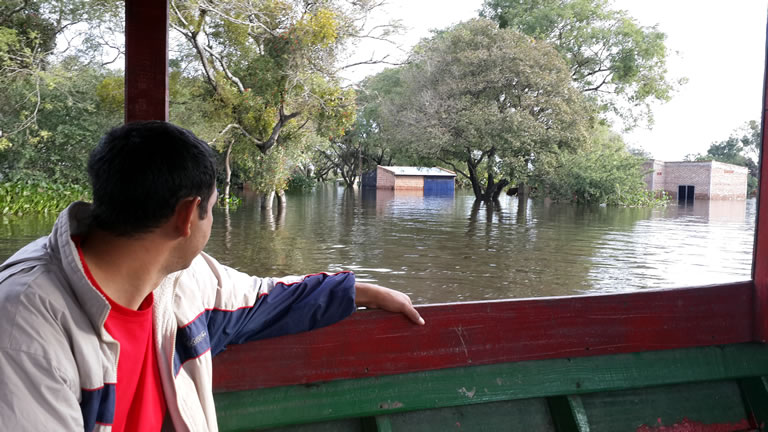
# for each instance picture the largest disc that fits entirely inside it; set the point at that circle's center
(334, 400)
(383, 424)
(579, 413)
(523, 415)
(755, 393)
(568, 414)
(706, 404)
(346, 425)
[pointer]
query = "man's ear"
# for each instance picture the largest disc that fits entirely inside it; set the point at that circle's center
(186, 210)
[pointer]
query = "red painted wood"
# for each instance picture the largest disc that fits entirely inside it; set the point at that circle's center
(374, 343)
(146, 60)
(760, 260)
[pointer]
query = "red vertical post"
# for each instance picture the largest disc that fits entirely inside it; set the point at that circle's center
(760, 257)
(146, 60)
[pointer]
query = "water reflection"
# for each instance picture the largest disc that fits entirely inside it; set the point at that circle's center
(691, 244)
(442, 249)
(16, 232)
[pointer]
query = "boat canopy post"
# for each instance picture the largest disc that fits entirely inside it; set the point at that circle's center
(146, 60)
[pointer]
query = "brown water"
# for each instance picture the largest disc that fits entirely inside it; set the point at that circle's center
(445, 249)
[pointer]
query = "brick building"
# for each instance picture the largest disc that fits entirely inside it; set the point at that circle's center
(686, 181)
(430, 180)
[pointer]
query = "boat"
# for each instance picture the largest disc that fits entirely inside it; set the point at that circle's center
(684, 359)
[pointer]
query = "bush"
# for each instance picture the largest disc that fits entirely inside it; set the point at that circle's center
(603, 173)
(233, 202)
(299, 182)
(38, 196)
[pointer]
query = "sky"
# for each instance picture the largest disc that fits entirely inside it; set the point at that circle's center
(718, 46)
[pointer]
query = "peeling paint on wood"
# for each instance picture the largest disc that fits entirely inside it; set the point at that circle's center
(468, 393)
(692, 426)
(390, 405)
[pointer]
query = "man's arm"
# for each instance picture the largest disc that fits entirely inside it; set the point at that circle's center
(245, 308)
(377, 297)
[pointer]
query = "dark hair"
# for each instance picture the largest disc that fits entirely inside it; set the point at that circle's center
(141, 171)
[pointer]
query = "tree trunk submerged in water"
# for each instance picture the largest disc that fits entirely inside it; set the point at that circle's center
(490, 194)
(228, 171)
(269, 197)
(281, 200)
(266, 199)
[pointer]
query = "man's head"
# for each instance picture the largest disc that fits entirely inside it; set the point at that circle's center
(142, 171)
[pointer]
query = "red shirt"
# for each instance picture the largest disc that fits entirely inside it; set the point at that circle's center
(139, 404)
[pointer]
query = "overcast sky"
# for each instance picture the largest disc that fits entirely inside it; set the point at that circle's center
(719, 45)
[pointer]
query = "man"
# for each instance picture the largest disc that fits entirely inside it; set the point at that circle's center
(112, 320)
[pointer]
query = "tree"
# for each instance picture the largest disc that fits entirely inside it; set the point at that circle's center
(372, 140)
(73, 114)
(344, 156)
(741, 148)
(30, 32)
(612, 58)
(271, 64)
(51, 115)
(26, 40)
(490, 99)
(603, 172)
(379, 133)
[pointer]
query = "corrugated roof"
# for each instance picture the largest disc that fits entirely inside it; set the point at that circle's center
(419, 171)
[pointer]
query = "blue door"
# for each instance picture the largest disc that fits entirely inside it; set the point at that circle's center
(438, 186)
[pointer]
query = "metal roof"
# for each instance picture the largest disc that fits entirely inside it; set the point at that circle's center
(420, 171)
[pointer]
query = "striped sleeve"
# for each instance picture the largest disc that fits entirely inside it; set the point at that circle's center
(244, 308)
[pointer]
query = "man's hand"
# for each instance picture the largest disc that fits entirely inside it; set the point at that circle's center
(377, 297)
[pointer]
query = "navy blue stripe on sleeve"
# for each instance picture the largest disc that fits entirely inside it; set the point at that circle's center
(98, 406)
(316, 301)
(192, 341)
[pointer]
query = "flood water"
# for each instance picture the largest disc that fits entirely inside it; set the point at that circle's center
(445, 249)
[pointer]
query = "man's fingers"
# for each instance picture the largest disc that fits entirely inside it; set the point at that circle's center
(413, 315)
(410, 311)
(378, 297)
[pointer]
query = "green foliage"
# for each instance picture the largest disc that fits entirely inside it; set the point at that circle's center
(269, 78)
(752, 185)
(110, 93)
(337, 112)
(26, 35)
(232, 202)
(618, 62)
(492, 98)
(318, 29)
(604, 172)
(28, 59)
(300, 182)
(378, 132)
(36, 195)
(271, 171)
(265, 83)
(69, 121)
(741, 148)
